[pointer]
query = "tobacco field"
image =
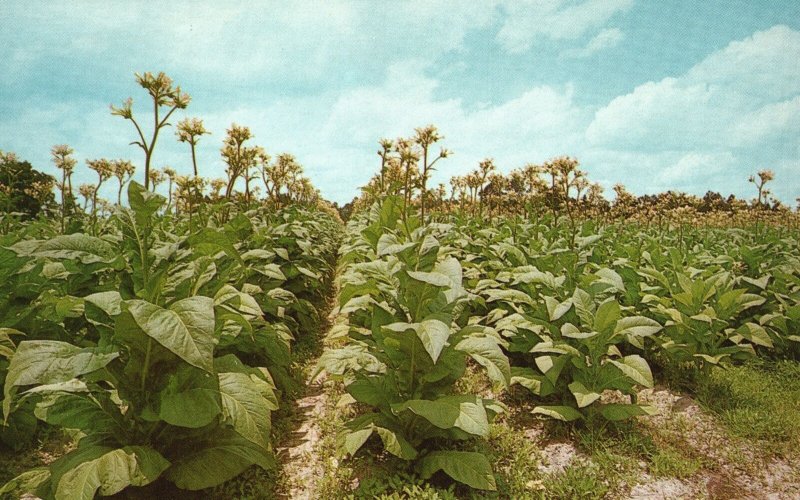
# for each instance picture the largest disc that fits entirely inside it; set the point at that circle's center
(522, 337)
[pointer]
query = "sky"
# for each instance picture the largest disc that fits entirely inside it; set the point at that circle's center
(681, 95)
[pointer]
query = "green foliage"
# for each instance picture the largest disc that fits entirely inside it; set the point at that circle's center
(406, 349)
(163, 359)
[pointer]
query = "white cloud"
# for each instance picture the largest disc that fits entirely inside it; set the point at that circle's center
(302, 41)
(694, 169)
(734, 112)
(733, 91)
(540, 123)
(529, 20)
(606, 39)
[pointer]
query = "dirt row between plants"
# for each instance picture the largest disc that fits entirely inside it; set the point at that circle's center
(298, 450)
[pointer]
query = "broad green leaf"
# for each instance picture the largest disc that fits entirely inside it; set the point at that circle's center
(271, 271)
(37, 362)
(756, 334)
(352, 357)
(487, 352)
(748, 300)
(245, 406)
(111, 473)
(638, 326)
(571, 331)
(396, 444)
(81, 247)
(527, 378)
(101, 308)
(191, 399)
(463, 412)
(451, 268)
(79, 411)
(509, 295)
(583, 396)
(144, 203)
(555, 309)
(606, 316)
(551, 366)
(635, 368)
(556, 347)
(584, 306)
(369, 390)
(220, 459)
(186, 328)
(435, 279)
(433, 334)
(354, 440)
(564, 413)
(611, 277)
(470, 468)
(760, 282)
(307, 272)
(389, 244)
(26, 483)
(108, 302)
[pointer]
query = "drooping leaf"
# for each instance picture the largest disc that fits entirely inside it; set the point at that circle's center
(112, 472)
(487, 352)
(38, 362)
(246, 407)
(191, 399)
(638, 326)
(354, 440)
(565, 413)
(756, 334)
(463, 412)
(606, 316)
(470, 468)
(26, 483)
(583, 396)
(81, 247)
(396, 444)
(215, 461)
(635, 368)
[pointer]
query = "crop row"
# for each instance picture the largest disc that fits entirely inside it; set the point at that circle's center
(577, 321)
(162, 350)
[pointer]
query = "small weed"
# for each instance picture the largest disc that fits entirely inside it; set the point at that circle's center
(515, 460)
(577, 481)
(671, 463)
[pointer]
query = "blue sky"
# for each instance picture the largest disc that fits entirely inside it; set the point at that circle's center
(680, 95)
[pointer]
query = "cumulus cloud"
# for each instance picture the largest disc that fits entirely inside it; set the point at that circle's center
(734, 112)
(326, 80)
(715, 101)
(262, 41)
(606, 39)
(541, 122)
(527, 21)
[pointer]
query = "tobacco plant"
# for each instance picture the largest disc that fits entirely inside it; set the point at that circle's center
(405, 350)
(149, 398)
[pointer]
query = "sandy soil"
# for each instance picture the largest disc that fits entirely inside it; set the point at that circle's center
(297, 452)
(732, 467)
